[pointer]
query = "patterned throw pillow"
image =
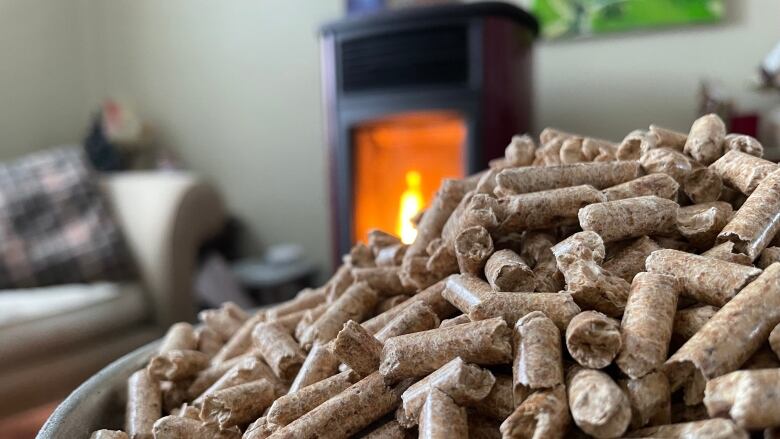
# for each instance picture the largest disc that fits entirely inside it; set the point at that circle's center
(55, 225)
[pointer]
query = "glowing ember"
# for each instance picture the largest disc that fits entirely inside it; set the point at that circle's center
(411, 205)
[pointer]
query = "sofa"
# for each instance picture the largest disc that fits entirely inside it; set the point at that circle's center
(53, 338)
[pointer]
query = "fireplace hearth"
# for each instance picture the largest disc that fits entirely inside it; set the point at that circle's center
(414, 96)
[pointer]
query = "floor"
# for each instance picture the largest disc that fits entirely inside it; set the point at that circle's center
(25, 425)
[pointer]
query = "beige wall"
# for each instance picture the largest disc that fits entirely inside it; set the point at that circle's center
(233, 86)
(42, 83)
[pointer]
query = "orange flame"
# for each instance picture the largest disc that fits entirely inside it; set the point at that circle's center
(411, 205)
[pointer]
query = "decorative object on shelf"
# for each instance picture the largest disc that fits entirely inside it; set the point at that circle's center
(577, 18)
(119, 140)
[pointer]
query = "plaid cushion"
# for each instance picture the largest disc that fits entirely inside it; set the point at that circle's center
(55, 226)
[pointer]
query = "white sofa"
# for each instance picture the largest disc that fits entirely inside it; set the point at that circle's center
(53, 338)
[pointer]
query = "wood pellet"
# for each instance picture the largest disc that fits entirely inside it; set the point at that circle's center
(581, 288)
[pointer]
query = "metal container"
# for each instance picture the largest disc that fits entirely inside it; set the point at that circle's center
(99, 402)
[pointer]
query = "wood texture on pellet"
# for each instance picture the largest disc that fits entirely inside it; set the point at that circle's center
(389, 430)
(279, 349)
(560, 307)
(630, 260)
(598, 405)
(706, 429)
(725, 252)
(743, 143)
(751, 398)
(774, 340)
(175, 365)
(431, 295)
(630, 218)
(536, 179)
(209, 342)
(538, 361)
(240, 342)
(667, 161)
(542, 210)
(756, 222)
(702, 185)
(660, 185)
(705, 139)
(586, 246)
(418, 316)
(688, 321)
(390, 303)
(646, 328)
(630, 147)
(177, 427)
(259, 429)
(210, 375)
(593, 339)
(650, 399)
(465, 291)
(544, 414)
(238, 405)
(592, 287)
(730, 337)
(466, 384)
(248, 369)
(475, 209)
(355, 304)
(473, 247)
(320, 363)
(225, 320)
(701, 223)
(669, 138)
(292, 406)
(347, 412)
(413, 355)
(339, 282)
(707, 280)
(441, 418)
(520, 151)
(384, 280)
(144, 405)
(358, 349)
(109, 434)
(500, 402)
(459, 320)
(769, 256)
(180, 336)
(505, 270)
(741, 171)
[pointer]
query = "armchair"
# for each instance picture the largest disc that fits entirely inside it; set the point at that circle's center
(63, 334)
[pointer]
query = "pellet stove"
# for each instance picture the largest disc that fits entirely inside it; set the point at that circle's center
(414, 96)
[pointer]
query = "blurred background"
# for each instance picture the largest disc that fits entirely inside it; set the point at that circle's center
(238, 144)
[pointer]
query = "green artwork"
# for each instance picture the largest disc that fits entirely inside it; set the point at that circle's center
(573, 18)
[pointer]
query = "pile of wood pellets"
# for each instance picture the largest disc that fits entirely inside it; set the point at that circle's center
(581, 288)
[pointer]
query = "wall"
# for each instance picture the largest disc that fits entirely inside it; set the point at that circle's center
(234, 88)
(42, 81)
(608, 86)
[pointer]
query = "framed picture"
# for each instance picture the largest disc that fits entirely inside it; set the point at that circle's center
(577, 18)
